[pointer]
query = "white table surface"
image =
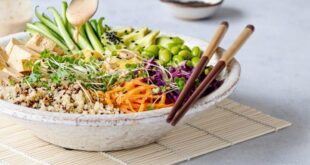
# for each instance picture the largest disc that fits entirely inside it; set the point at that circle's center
(275, 69)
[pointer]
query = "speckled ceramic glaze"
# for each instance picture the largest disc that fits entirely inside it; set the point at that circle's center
(111, 132)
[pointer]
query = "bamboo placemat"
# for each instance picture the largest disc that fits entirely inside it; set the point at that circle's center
(226, 124)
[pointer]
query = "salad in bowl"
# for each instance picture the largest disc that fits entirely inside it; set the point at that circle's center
(101, 88)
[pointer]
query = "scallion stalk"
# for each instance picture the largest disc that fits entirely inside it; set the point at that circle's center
(63, 31)
(43, 30)
(93, 38)
(94, 25)
(100, 27)
(46, 21)
(64, 8)
(82, 41)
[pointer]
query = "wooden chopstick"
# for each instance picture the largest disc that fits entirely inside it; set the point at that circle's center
(225, 59)
(199, 68)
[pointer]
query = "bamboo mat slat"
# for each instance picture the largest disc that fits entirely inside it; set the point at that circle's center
(224, 125)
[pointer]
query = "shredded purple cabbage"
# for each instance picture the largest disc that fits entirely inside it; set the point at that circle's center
(159, 77)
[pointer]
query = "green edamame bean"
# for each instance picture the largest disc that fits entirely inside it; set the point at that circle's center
(160, 62)
(184, 47)
(178, 59)
(177, 40)
(160, 47)
(185, 54)
(195, 60)
(208, 69)
(196, 52)
(189, 63)
(164, 55)
(171, 45)
(148, 54)
(153, 48)
(175, 50)
(171, 63)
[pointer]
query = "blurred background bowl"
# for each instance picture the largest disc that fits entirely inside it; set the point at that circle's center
(192, 9)
(14, 15)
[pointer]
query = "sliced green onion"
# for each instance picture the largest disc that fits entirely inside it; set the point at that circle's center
(94, 40)
(42, 26)
(100, 27)
(46, 21)
(64, 8)
(83, 31)
(31, 31)
(63, 31)
(48, 18)
(94, 25)
(42, 29)
(82, 41)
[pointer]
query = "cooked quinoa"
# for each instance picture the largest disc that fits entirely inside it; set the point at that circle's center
(65, 99)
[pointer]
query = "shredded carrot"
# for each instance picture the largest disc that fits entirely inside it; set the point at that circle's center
(134, 96)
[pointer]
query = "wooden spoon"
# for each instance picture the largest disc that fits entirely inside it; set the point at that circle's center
(80, 11)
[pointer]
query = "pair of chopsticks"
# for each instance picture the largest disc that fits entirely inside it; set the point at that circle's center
(179, 109)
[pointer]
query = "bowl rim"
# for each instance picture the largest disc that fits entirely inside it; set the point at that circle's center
(188, 5)
(31, 114)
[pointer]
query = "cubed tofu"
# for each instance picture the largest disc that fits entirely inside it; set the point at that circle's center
(40, 43)
(2, 60)
(12, 72)
(58, 50)
(5, 77)
(21, 58)
(4, 55)
(11, 44)
(2, 63)
(4, 66)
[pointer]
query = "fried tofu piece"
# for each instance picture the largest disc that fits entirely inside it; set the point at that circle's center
(6, 72)
(11, 44)
(21, 58)
(4, 77)
(40, 43)
(12, 72)
(4, 66)
(2, 63)
(3, 55)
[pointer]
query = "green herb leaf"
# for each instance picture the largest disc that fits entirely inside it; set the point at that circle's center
(129, 76)
(149, 107)
(180, 82)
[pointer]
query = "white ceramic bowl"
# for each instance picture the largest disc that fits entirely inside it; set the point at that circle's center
(192, 12)
(111, 132)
